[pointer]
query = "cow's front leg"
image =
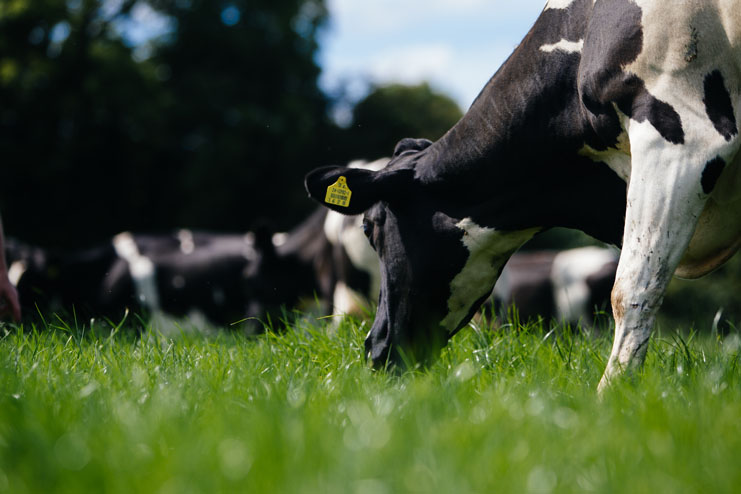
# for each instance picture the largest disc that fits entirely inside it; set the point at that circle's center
(665, 199)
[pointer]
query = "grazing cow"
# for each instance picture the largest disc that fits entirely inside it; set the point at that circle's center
(178, 275)
(566, 285)
(598, 95)
(326, 256)
(94, 282)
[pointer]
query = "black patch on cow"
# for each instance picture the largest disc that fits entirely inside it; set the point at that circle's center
(711, 174)
(568, 24)
(603, 82)
(640, 105)
(718, 105)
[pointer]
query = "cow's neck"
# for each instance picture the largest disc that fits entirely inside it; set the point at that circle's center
(513, 159)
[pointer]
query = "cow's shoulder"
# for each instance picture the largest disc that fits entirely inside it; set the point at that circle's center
(651, 61)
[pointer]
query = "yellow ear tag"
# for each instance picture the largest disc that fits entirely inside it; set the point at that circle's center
(338, 193)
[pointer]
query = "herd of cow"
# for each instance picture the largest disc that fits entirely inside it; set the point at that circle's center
(615, 117)
(251, 278)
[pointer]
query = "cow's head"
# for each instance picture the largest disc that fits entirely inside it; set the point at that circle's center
(437, 264)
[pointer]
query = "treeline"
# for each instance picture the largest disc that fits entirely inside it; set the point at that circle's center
(211, 124)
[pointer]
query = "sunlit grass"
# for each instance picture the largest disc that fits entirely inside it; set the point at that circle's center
(512, 409)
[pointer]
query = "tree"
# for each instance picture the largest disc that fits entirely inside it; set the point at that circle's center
(390, 113)
(213, 130)
(75, 110)
(247, 115)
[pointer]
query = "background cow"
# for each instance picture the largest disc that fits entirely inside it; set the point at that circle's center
(566, 285)
(186, 273)
(599, 95)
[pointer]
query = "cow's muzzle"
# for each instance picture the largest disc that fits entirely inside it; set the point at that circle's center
(378, 346)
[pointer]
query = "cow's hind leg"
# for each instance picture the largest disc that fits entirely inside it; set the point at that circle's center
(666, 196)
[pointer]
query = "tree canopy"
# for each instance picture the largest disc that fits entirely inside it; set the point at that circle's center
(210, 125)
(391, 112)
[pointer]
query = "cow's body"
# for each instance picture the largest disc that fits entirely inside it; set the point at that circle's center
(598, 95)
(178, 275)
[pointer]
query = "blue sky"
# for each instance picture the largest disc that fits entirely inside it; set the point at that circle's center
(456, 45)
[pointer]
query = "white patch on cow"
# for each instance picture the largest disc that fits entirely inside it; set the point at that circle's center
(349, 236)
(279, 239)
(618, 157)
(558, 4)
(345, 300)
(716, 228)
(673, 77)
(369, 165)
(187, 245)
(362, 255)
(488, 250)
(569, 274)
(141, 269)
(125, 246)
(333, 224)
(16, 270)
(565, 46)
(670, 223)
(248, 250)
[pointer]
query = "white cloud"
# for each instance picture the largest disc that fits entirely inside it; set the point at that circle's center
(384, 14)
(462, 75)
(454, 44)
(410, 64)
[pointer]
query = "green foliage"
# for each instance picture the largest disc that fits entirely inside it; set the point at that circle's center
(508, 410)
(201, 133)
(212, 125)
(390, 113)
(74, 107)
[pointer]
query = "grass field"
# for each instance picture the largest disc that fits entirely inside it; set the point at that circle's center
(507, 410)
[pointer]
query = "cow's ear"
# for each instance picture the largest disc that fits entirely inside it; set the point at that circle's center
(409, 144)
(354, 190)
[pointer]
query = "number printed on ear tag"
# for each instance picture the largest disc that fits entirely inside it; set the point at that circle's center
(338, 193)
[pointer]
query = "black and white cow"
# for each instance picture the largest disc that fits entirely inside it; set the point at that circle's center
(93, 282)
(599, 94)
(179, 275)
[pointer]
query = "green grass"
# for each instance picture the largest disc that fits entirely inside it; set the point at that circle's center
(298, 411)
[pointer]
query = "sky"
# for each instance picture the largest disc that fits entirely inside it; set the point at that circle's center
(455, 45)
